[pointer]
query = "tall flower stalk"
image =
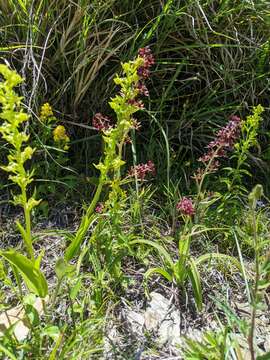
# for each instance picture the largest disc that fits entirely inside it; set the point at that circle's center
(218, 148)
(238, 136)
(11, 131)
(124, 104)
(248, 139)
(14, 117)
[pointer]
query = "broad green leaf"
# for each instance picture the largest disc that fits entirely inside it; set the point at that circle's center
(52, 331)
(38, 259)
(75, 289)
(7, 353)
(208, 257)
(160, 271)
(183, 245)
(194, 276)
(22, 231)
(74, 246)
(33, 277)
(27, 240)
(62, 268)
(180, 268)
(32, 315)
(205, 229)
(29, 299)
(53, 354)
(161, 250)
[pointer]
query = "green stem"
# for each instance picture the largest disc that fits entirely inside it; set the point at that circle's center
(200, 184)
(183, 251)
(27, 217)
(44, 306)
(91, 207)
(56, 291)
(256, 285)
(85, 223)
(17, 278)
(240, 161)
(134, 155)
(205, 173)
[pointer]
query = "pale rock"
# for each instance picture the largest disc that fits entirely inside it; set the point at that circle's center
(136, 321)
(162, 317)
(16, 315)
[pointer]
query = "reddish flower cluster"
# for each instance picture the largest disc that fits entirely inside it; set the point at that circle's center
(149, 60)
(99, 208)
(218, 148)
(186, 207)
(224, 141)
(211, 168)
(138, 103)
(144, 73)
(142, 170)
(128, 140)
(142, 89)
(136, 124)
(101, 122)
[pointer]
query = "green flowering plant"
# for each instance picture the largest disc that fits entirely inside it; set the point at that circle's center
(51, 130)
(184, 269)
(256, 290)
(108, 242)
(247, 140)
(232, 144)
(11, 130)
(234, 178)
(52, 143)
(228, 341)
(46, 114)
(124, 104)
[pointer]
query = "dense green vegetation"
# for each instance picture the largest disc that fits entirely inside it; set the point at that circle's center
(135, 159)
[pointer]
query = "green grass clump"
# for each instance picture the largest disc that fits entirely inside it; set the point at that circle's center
(212, 60)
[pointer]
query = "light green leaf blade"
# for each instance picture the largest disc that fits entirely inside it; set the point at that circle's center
(161, 250)
(194, 277)
(7, 353)
(62, 268)
(160, 271)
(216, 256)
(33, 277)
